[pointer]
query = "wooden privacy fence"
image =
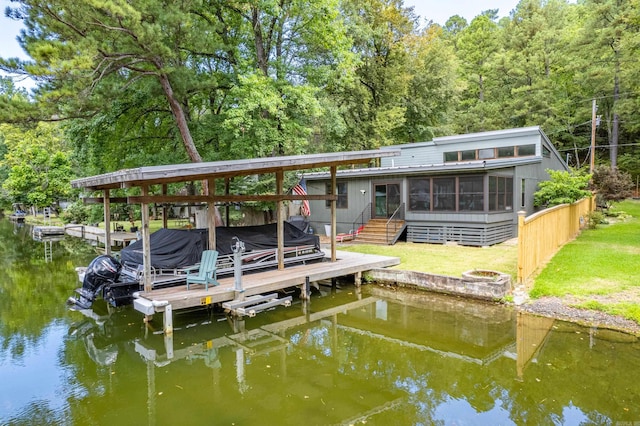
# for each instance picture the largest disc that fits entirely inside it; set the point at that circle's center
(542, 234)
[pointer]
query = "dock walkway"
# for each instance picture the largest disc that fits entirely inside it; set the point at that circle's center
(178, 297)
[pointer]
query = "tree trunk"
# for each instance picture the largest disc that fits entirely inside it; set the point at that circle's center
(181, 120)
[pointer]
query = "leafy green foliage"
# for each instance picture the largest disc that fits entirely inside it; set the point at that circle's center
(76, 212)
(563, 187)
(39, 169)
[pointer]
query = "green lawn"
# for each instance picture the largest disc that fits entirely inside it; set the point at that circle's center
(445, 259)
(601, 268)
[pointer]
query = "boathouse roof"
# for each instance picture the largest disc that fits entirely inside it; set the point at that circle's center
(151, 175)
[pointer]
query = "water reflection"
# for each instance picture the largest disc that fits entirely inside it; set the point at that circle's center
(382, 358)
(376, 357)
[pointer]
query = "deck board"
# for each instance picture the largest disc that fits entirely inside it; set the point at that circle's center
(347, 263)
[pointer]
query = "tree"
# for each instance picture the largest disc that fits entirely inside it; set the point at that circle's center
(38, 164)
(563, 187)
(606, 48)
(478, 48)
(611, 184)
(371, 107)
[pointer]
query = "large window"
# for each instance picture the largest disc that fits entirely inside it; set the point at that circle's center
(444, 193)
(470, 193)
(420, 194)
(500, 193)
(343, 200)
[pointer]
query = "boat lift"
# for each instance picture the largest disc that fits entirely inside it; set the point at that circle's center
(254, 304)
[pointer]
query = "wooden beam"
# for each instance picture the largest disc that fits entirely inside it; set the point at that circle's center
(165, 215)
(146, 242)
(107, 222)
(225, 198)
(280, 218)
(333, 214)
(211, 214)
(100, 200)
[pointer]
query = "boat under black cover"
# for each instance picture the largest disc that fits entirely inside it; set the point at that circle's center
(174, 250)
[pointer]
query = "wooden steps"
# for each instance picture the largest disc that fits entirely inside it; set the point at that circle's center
(375, 232)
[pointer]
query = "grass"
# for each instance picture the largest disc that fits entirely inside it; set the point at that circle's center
(445, 259)
(601, 268)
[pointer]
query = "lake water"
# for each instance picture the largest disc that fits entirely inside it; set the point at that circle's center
(374, 357)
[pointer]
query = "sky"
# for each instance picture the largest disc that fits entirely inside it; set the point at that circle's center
(437, 10)
(440, 10)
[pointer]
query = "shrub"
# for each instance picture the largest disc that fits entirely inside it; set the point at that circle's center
(595, 218)
(611, 185)
(562, 188)
(75, 213)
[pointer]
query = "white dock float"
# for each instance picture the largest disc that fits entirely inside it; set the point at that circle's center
(255, 304)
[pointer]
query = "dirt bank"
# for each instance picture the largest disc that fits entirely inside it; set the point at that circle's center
(561, 308)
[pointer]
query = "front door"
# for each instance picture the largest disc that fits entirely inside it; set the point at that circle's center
(387, 199)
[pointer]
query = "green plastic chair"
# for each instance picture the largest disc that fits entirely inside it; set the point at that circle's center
(206, 272)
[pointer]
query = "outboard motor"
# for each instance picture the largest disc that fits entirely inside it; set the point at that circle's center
(101, 271)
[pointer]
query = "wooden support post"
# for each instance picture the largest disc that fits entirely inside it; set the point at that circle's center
(227, 182)
(211, 214)
(165, 216)
(168, 320)
(358, 279)
(146, 242)
(333, 214)
(107, 222)
(280, 219)
(305, 289)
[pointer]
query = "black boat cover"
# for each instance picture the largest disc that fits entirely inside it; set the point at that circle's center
(179, 248)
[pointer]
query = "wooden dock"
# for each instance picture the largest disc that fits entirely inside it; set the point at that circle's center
(93, 233)
(257, 283)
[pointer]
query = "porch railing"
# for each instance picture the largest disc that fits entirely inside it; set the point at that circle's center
(361, 220)
(394, 223)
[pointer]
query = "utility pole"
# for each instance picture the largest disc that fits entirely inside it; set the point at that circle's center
(594, 108)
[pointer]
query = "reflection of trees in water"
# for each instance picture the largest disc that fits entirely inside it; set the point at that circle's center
(33, 291)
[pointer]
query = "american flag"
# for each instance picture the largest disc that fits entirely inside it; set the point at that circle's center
(301, 189)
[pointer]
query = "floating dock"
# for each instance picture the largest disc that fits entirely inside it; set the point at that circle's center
(176, 298)
(93, 233)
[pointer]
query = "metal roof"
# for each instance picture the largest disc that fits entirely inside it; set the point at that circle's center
(220, 169)
(463, 166)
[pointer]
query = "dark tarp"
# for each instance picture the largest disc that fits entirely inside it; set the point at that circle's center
(262, 237)
(170, 248)
(179, 248)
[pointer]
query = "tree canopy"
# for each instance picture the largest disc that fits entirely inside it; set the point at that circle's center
(156, 82)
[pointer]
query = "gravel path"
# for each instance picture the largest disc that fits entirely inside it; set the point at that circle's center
(560, 308)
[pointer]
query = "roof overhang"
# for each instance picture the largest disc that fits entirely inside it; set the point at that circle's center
(457, 167)
(153, 175)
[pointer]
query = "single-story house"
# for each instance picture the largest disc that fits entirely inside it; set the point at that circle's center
(466, 188)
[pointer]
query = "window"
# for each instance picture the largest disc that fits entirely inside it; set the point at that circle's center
(500, 193)
(506, 151)
(420, 194)
(451, 156)
(470, 193)
(444, 194)
(468, 155)
(486, 153)
(343, 200)
(523, 186)
(546, 152)
(526, 150)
